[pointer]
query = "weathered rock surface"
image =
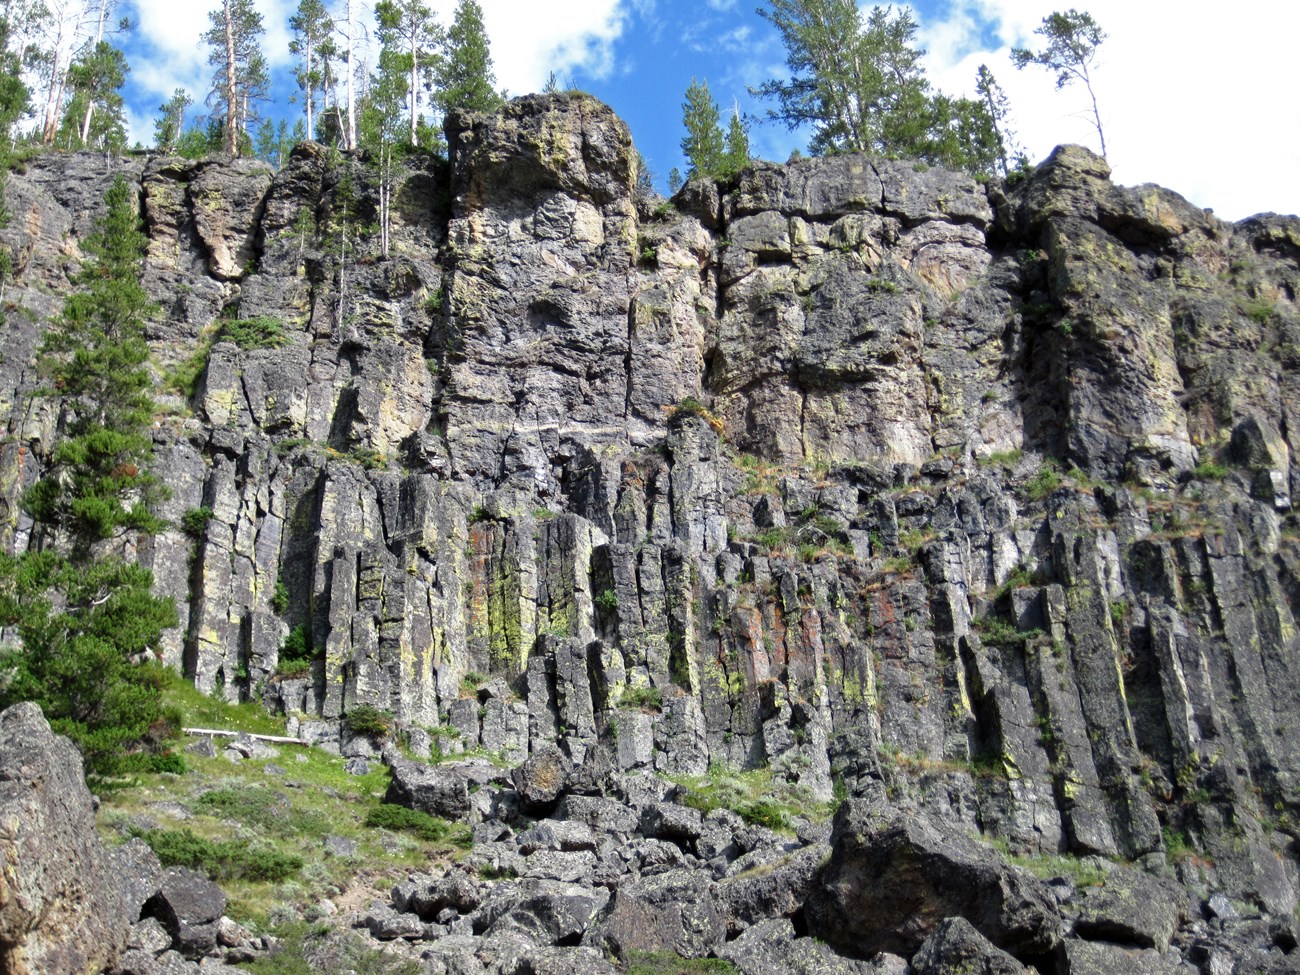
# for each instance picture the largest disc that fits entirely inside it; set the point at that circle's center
(974, 499)
(61, 909)
(894, 877)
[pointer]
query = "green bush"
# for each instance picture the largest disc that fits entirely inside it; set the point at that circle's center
(642, 697)
(607, 601)
(426, 827)
(367, 720)
(261, 332)
(195, 521)
(280, 599)
(295, 653)
(1208, 470)
(667, 963)
(220, 859)
(1043, 483)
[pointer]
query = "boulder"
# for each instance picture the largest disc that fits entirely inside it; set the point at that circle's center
(602, 815)
(139, 875)
(675, 911)
(771, 948)
(190, 906)
(956, 948)
(895, 875)
(540, 780)
(1130, 908)
(431, 789)
(61, 909)
(429, 896)
(774, 891)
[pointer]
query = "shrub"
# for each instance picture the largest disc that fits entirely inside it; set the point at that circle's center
(195, 521)
(1208, 470)
(280, 599)
(295, 653)
(1043, 483)
(420, 824)
(261, 332)
(641, 697)
(607, 601)
(690, 406)
(367, 720)
(220, 859)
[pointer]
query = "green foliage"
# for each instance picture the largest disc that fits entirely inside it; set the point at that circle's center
(240, 80)
(465, 78)
(668, 963)
(752, 794)
(169, 125)
(1118, 611)
(195, 521)
(646, 698)
(421, 824)
(220, 859)
(857, 80)
(1208, 470)
(711, 154)
(365, 719)
(261, 332)
(607, 601)
(1072, 41)
(280, 599)
(267, 810)
(1045, 481)
(296, 654)
(87, 625)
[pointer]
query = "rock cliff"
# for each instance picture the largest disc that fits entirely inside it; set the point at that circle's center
(974, 499)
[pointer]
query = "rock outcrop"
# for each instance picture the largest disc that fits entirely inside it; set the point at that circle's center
(973, 499)
(61, 910)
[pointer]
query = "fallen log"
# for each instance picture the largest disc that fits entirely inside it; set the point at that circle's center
(217, 733)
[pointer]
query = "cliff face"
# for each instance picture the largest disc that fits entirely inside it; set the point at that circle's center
(872, 472)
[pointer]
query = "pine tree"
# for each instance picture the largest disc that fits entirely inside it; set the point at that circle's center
(703, 144)
(736, 155)
(87, 620)
(93, 117)
(409, 36)
(999, 112)
(241, 78)
(465, 78)
(169, 125)
(312, 41)
(1072, 41)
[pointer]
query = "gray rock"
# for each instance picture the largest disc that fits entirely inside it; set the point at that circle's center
(601, 815)
(676, 911)
(339, 846)
(894, 876)
(543, 912)
(429, 896)
(189, 905)
(139, 874)
(540, 780)
(778, 889)
(356, 766)
(771, 946)
(1130, 908)
(552, 834)
(433, 789)
(956, 948)
(61, 906)
(149, 935)
(1096, 958)
(566, 961)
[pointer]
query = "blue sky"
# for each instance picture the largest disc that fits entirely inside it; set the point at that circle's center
(1207, 112)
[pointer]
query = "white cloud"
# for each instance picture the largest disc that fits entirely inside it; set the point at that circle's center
(1198, 104)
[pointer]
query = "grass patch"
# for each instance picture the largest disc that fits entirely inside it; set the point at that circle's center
(261, 332)
(646, 698)
(667, 963)
(1045, 481)
(421, 824)
(690, 406)
(220, 859)
(751, 794)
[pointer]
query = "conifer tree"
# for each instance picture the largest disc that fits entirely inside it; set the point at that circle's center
(313, 43)
(409, 37)
(999, 112)
(735, 156)
(169, 125)
(241, 78)
(703, 144)
(87, 620)
(465, 78)
(94, 116)
(1072, 41)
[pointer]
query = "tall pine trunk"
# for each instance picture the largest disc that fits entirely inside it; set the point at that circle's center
(232, 94)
